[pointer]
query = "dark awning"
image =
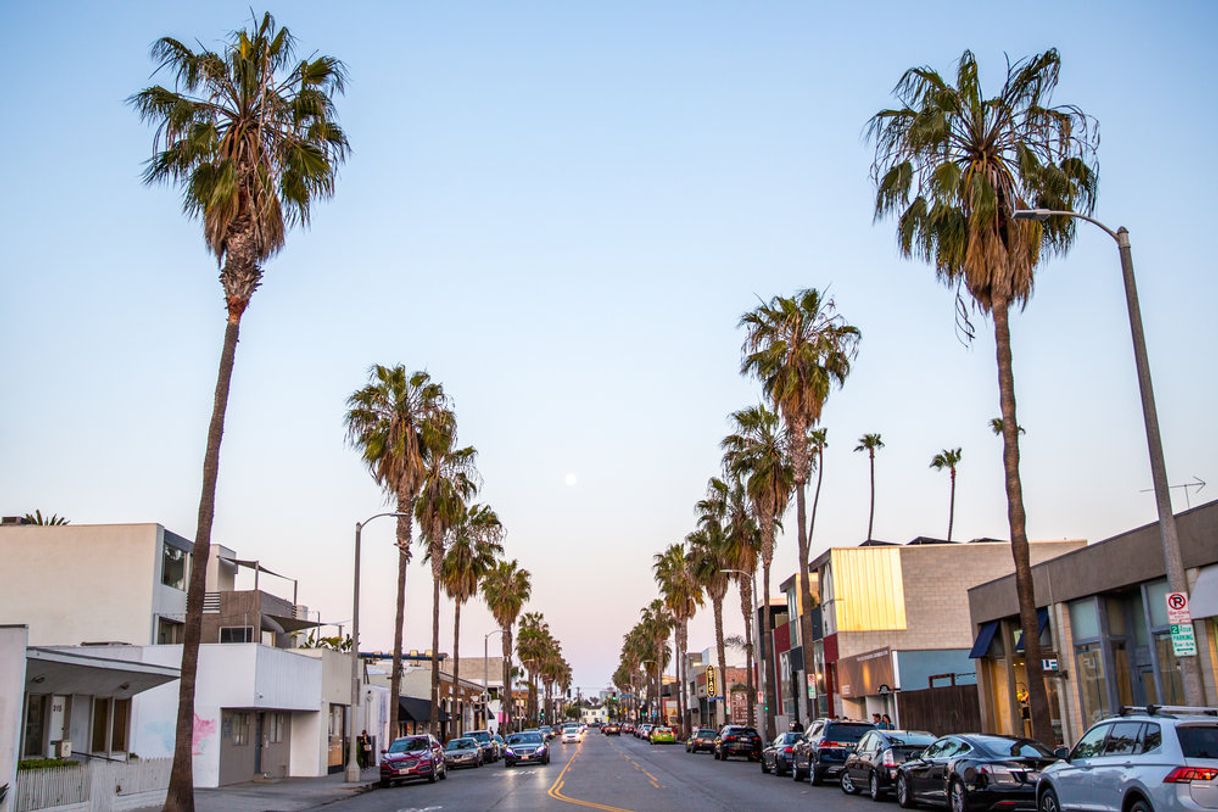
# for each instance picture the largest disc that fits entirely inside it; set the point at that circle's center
(1042, 623)
(985, 637)
(418, 710)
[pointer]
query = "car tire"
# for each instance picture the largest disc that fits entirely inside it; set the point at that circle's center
(796, 773)
(1141, 805)
(764, 768)
(507, 765)
(957, 796)
(444, 774)
(873, 787)
(431, 779)
(815, 776)
(1047, 802)
(904, 795)
(847, 784)
(779, 770)
(385, 783)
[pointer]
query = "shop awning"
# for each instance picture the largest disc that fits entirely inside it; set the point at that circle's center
(985, 637)
(1204, 600)
(1042, 623)
(49, 671)
(418, 710)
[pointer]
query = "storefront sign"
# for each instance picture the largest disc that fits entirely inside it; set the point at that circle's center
(1177, 608)
(1183, 643)
(1049, 664)
(712, 687)
(811, 686)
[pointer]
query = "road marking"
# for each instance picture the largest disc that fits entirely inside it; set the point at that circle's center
(555, 792)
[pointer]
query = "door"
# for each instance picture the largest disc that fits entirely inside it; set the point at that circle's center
(1109, 773)
(856, 762)
(918, 772)
(1074, 779)
(259, 726)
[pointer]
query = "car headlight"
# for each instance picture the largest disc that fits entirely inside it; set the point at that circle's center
(509, 752)
(541, 749)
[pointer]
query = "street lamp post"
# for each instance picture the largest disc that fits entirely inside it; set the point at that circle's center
(486, 699)
(752, 623)
(352, 774)
(1190, 674)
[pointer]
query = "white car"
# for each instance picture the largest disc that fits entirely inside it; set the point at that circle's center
(572, 734)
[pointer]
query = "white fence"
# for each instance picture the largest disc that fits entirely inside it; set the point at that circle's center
(93, 786)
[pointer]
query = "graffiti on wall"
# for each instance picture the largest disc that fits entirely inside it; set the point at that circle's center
(204, 732)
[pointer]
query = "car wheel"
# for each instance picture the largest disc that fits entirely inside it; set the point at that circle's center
(958, 797)
(779, 770)
(796, 773)
(847, 784)
(764, 768)
(1141, 805)
(873, 787)
(507, 765)
(1048, 801)
(904, 795)
(444, 774)
(815, 776)
(431, 779)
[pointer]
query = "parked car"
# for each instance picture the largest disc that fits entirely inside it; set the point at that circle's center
(974, 771)
(412, 757)
(776, 756)
(488, 744)
(463, 752)
(662, 734)
(824, 748)
(702, 739)
(872, 767)
(1161, 759)
(612, 729)
(737, 740)
(526, 748)
(548, 732)
(643, 731)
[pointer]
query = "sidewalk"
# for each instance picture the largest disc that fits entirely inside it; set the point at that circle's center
(283, 795)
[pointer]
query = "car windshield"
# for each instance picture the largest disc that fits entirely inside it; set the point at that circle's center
(481, 736)
(571, 729)
(1013, 748)
(846, 732)
(910, 739)
(524, 738)
(663, 730)
(741, 731)
(706, 732)
(790, 738)
(462, 744)
(1198, 741)
(412, 745)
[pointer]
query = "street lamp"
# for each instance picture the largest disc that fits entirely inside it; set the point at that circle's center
(486, 700)
(752, 618)
(1190, 675)
(352, 775)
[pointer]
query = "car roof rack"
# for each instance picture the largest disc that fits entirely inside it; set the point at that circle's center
(1168, 710)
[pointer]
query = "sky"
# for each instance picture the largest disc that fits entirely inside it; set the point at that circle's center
(560, 210)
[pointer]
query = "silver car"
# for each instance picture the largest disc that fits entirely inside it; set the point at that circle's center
(1152, 759)
(463, 752)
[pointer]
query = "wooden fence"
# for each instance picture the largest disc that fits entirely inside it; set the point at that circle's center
(93, 786)
(950, 709)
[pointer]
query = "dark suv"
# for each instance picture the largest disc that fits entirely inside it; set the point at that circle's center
(737, 740)
(823, 750)
(702, 739)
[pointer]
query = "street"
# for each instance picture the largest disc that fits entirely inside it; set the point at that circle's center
(614, 775)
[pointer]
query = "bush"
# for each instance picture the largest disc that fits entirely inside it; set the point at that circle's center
(45, 763)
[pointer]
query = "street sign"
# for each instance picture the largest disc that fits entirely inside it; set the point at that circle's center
(1183, 643)
(1177, 608)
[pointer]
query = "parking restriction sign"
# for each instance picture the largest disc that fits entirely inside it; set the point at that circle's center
(1177, 608)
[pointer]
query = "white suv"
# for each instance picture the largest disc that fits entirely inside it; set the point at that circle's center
(1147, 759)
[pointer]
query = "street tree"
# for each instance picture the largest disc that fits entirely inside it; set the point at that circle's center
(506, 588)
(870, 443)
(948, 459)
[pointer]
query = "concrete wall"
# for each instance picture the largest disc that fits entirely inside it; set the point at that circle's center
(13, 641)
(76, 583)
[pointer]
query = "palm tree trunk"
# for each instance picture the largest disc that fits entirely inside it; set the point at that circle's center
(767, 652)
(746, 606)
(721, 651)
(1042, 727)
(871, 515)
(505, 695)
(180, 797)
(452, 694)
(805, 593)
(404, 532)
(437, 561)
(951, 510)
(682, 631)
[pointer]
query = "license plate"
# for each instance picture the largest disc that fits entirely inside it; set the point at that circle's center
(403, 770)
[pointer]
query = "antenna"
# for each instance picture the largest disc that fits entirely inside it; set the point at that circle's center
(1197, 483)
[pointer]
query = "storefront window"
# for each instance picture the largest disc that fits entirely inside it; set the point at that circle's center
(1092, 687)
(1156, 593)
(1084, 620)
(1124, 674)
(1169, 671)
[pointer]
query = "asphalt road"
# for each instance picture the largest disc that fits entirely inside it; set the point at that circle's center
(612, 774)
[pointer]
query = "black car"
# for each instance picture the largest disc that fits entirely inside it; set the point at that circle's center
(702, 739)
(526, 748)
(737, 740)
(486, 741)
(823, 750)
(777, 754)
(974, 772)
(872, 767)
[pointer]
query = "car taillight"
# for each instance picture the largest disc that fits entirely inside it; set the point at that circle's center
(1186, 775)
(729, 738)
(836, 744)
(888, 760)
(788, 749)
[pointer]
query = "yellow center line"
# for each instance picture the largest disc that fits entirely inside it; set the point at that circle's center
(555, 791)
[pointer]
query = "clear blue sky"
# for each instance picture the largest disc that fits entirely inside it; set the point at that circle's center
(560, 210)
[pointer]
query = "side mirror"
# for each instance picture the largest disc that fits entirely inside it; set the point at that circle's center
(1062, 753)
(384, 752)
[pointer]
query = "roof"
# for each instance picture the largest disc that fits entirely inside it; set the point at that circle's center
(48, 671)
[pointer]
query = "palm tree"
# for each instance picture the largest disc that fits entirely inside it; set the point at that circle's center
(449, 481)
(249, 135)
(470, 556)
(799, 347)
(36, 518)
(870, 443)
(655, 624)
(953, 165)
(948, 458)
(818, 440)
(385, 421)
(757, 451)
(996, 426)
(741, 549)
(682, 595)
(531, 647)
(708, 557)
(506, 589)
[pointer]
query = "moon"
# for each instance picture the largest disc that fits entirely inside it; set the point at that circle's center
(571, 480)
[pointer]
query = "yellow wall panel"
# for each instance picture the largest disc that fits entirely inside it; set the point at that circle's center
(868, 590)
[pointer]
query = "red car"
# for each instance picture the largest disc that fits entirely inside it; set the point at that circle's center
(612, 729)
(413, 757)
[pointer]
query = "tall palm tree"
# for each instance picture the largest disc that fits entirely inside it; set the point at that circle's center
(709, 559)
(818, 440)
(948, 458)
(249, 134)
(870, 443)
(799, 347)
(741, 550)
(532, 645)
(655, 624)
(682, 595)
(757, 452)
(997, 427)
(506, 589)
(470, 556)
(50, 520)
(449, 481)
(385, 421)
(952, 165)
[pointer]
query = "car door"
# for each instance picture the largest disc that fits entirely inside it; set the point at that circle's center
(1111, 770)
(856, 762)
(917, 772)
(940, 766)
(1073, 779)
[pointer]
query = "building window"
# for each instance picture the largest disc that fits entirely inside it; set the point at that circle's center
(1092, 686)
(278, 727)
(236, 634)
(173, 567)
(101, 725)
(118, 729)
(1084, 619)
(241, 729)
(169, 631)
(111, 717)
(1169, 671)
